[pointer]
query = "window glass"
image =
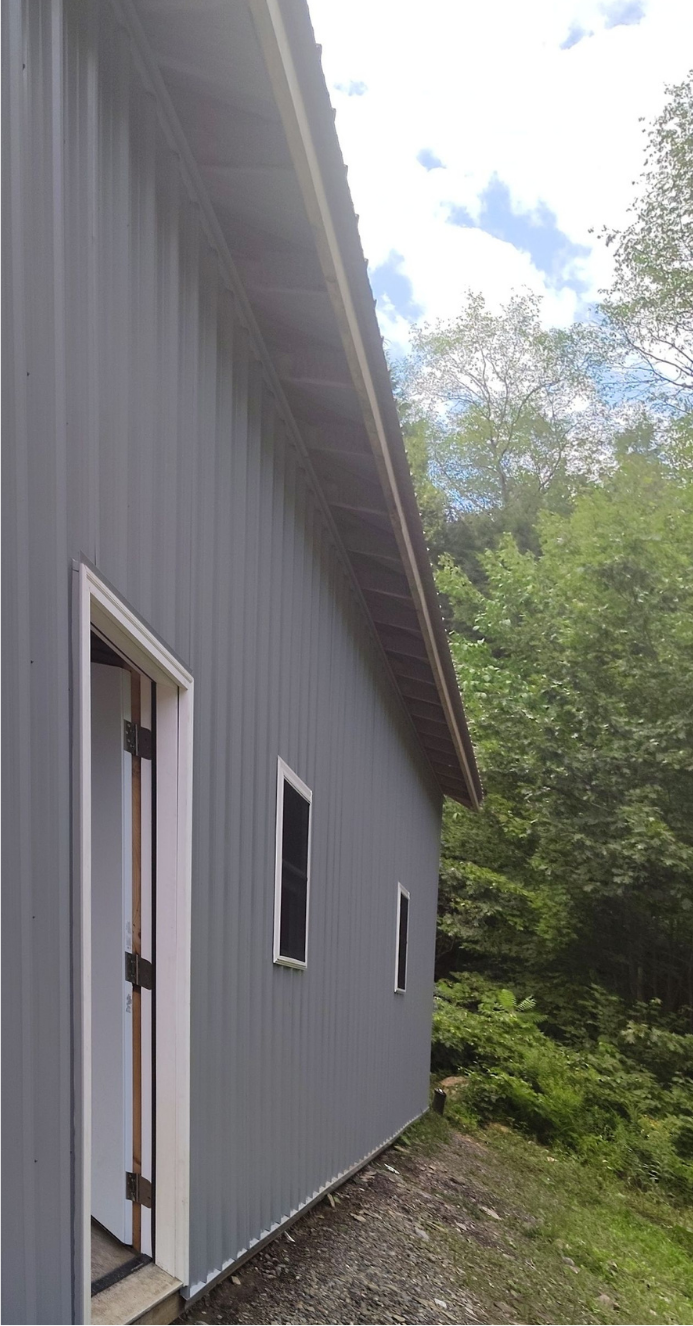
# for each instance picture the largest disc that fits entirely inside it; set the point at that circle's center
(294, 874)
(402, 940)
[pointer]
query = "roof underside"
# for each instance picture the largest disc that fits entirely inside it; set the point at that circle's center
(211, 61)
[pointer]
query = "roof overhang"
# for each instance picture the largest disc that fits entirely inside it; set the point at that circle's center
(245, 83)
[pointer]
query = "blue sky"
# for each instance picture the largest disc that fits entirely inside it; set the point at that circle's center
(485, 142)
(534, 232)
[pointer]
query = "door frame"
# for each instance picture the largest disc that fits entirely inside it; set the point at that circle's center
(100, 606)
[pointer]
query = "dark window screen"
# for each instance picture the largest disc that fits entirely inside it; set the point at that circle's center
(292, 931)
(402, 939)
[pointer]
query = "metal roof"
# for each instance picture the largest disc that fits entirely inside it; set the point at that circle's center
(246, 85)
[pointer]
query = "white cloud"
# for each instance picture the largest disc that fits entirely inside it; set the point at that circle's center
(488, 89)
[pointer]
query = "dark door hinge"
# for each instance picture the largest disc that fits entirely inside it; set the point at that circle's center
(138, 1189)
(138, 740)
(139, 972)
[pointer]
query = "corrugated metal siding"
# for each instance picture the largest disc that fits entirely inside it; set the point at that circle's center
(140, 432)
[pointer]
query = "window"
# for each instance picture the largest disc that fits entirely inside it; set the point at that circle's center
(292, 876)
(402, 939)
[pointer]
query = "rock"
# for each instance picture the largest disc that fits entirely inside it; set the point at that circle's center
(440, 1302)
(329, 1198)
(489, 1211)
(421, 1233)
(235, 1279)
(361, 1219)
(449, 1082)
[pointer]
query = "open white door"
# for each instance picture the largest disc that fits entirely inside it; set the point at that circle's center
(135, 723)
(111, 936)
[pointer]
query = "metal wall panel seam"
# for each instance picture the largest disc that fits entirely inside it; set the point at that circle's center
(266, 663)
(166, 490)
(218, 772)
(266, 674)
(297, 983)
(224, 798)
(49, 725)
(314, 691)
(318, 600)
(61, 994)
(302, 1172)
(257, 1116)
(140, 137)
(222, 654)
(213, 601)
(18, 962)
(294, 708)
(238, 988)
(203, 547)
(276, 1038)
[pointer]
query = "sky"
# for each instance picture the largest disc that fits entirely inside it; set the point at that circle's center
(486, 139)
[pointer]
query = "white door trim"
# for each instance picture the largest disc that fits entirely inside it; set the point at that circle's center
(99, 606)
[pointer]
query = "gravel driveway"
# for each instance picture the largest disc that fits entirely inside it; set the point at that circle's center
(447, 1227)
(377, 1255)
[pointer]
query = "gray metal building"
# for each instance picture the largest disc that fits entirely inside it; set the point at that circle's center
(208, 521)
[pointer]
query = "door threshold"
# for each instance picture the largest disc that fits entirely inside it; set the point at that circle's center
(146, 1295)
(118, 1273)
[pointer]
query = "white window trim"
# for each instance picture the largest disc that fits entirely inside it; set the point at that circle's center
(101, 607)
(401, 893)
(286, 774)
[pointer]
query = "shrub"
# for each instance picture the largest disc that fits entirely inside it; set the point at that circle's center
(631, 1112)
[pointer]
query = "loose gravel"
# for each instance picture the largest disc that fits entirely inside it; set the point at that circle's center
(375, 1253)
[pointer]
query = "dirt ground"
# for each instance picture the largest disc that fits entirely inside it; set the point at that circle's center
(379, 1254)
(445, 1227)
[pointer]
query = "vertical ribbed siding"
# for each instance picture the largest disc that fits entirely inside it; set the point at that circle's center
(141, 432)
(36, 919)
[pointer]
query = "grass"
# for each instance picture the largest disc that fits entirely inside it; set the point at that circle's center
(571, 1244)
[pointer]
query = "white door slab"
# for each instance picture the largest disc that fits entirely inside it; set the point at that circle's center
(147, 947)
(111, 868)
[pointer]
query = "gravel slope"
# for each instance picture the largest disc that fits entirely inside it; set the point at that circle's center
(375, 1256)
(444, 1227)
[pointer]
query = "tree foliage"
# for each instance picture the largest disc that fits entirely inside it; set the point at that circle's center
(621, 1099)
(554, 469)
(502, 417)
(576, 668)
(557, 496)
(650, 305)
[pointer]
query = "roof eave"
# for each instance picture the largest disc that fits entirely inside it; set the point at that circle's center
(293, 65)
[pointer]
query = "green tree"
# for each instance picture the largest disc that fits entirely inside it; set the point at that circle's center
(577, 675)
(649, 309)
(502, 418)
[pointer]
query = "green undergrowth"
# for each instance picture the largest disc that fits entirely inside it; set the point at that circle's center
(547, 1237)
(619, 1096)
